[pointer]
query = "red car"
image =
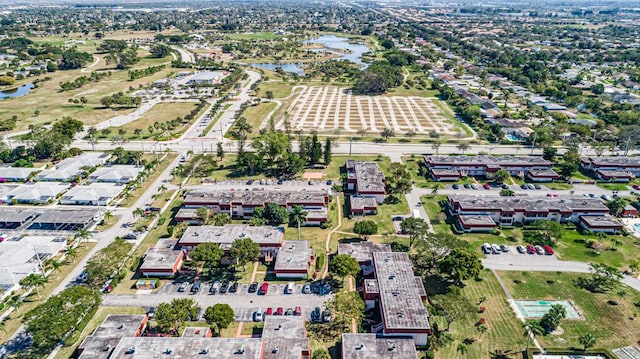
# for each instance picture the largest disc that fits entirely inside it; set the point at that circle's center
(297, 312)
(531, 249)
(635, 186)
(264, 288)
(269, 311)
(279, 311)
(548, 250)
(486, 186)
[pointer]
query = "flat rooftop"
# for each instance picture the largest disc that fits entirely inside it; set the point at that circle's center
(476, 220)
(72, 216)
(445, 172)
(196, 332)
(601, 221)
(120, 173)
(368, 176)
(614, 173)
(612, 161)
(360, 203)
(18, 173)
(255, 198)
(107, 336)
(187, 348)
(71, 167)
(367, 346)
(266, 236)
(102, 192)
(362, 251)
(485, 160)
(38, 191)
(401, 292)
(293, 255)
(543, 173)
(529, 204)
(162, 256)
(16, 214)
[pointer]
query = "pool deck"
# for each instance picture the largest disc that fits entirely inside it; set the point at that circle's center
(520, 314)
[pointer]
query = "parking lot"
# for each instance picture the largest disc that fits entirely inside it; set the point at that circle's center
(243, 303)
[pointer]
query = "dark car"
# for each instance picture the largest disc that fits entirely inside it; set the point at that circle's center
(130, 235)
(279, 182)
(250, 182)
(537, 186)
(523, 186)
(316, 315)
(455, 186)
(466, 185)
(329, 182)
(233, 288)
(253, 287)
(224, 287)
(504, 186)
(153, 209)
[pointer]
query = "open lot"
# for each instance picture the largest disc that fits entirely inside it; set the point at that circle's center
(613, 325)
(163, 111)
(329, 108)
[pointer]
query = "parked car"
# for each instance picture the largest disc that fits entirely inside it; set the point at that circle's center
(455, 186)
(504, 186)
(636, 187)
(327, 316)
(264, 288)
(233, 288)
(306, 289)
(289, 288)
(253, 287)
(249, 182)
(130, 236)
(504, 247)
(269, 311)
(214, 287)
(297, 312)
(151, 312)
(329, 182)
(279, 311)
(289, 311)
(196, 287)
(531, 249)
(279, 182)
(316, 314)
(524, 186)
(530, 186)
(495, 249)
(257, 315)
(224, 287)
(548, 250)
(486, 248)
(520, 249)
(539, 249)
(183, 286)
(474, 186)
(466, 185)
(486, 186)
(537, 186)
(605, 197)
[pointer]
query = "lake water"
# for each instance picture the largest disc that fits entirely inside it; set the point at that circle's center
(330, 43)
(16, 92)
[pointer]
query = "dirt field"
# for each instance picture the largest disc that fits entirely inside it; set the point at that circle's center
(328, 108)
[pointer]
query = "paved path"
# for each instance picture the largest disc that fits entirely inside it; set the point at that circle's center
(328, 241)
(95, 62)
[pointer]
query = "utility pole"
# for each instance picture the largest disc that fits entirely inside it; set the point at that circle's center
(350, 140)
(533, 144)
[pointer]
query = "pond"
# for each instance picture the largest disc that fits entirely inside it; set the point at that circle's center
(330, 43)
(17, 92)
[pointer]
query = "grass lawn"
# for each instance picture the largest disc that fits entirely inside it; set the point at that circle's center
(53, 104)
(216, 118)
(256, 114)
(280, 89)
(614, 186)
(254, 36)
(97, 319)
(413, 164)
(504, 329)
(610, 324)
(161, 112)
(382, 218)
(558, 186)
(15, 318)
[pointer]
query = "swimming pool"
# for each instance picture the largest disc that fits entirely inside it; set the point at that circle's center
(512, 138)
(538, 308)
(636, 226)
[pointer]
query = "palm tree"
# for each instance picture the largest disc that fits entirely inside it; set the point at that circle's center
(633, 266)
(55, 266)
(436, 146)
(108, 215)
(532, 328)
(501, 354)
(162, 188)
(71, 253)
(138, 212)
(34, 281)
(482, 329)
(15, 302)
(588, 340)
(220, 219)
(462, 350)
(621, 294)
(298, 215)
(436, 187)
(463, 147)
(83, 235)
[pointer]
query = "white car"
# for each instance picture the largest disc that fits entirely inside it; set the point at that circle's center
(257, 315)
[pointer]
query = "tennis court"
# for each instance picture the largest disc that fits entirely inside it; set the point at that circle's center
(537, 308)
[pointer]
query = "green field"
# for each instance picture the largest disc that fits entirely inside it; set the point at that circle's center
(611, 324)
(161, 112)
(256, 114)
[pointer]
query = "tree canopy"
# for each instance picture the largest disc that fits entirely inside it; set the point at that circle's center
(244, 251)
(220, 315)
(172, 315)
(343, 265)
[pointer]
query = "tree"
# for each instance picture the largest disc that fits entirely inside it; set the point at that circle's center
(587, 340)
(160, 51)
(549, 153)
(298, 215)
(273, 213)
(460, 264)
(320, 354)
(616, 206)
(138, 212)
(219, 151)
(170, 316)
(621, 294)
(244, 250)
(603, 278)
(365, 228)
(501, 354)
(553, 229)
(415, 227)
(347, 307)
(482, 329)
(463, 147)
(436, 146)
(59, 317)
(327, 151)
(532, 329)
(83, 235)
(551, 320)
(452, 306)
(220, 315)
(72, 253)
(386, 133)
(16, 302)
(207, 252)
(33, 280)
(343, 265)
(219, 219)
(462, 350)
(501, 176)
(55, 266)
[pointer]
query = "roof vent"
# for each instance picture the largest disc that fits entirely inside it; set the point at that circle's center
(391, 346)
(107, 348)
(168, 351)
(278, 327)
(131, 350)
(360, 346)
(275, 350)
(196, 234)
(206, 351)
(392, 276)
(400, 315)
(120, 326)
(238, 351)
